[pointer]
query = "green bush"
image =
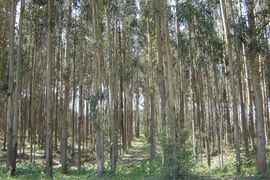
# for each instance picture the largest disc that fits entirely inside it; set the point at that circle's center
(184, 155)
(29, 168)
(3, 170)
(24, 170)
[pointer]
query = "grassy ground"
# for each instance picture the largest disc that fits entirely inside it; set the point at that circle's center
(135, 165)
(132, 165)
(225, 168)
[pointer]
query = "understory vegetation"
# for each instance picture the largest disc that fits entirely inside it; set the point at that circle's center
(136, 165)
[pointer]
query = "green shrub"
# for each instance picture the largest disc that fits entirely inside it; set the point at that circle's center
(29, 168)
(184, 155)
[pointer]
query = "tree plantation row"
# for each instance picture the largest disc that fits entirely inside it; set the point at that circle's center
(84, 78)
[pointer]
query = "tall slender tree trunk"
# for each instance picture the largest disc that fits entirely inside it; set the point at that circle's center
(152, 137)
(99, 131)
(73, 132)
(261, 150)
(233, 84)
(4, 61)
(161, 73)
(49, 144)
(249, 101)
(161, 81)
(242, 87)
(10, 108)
(80, 121)
(121, 93)
(57, 108)
(17, 91)
(32, 73)
(114, 93)
(66, 92)
(181, 72)
(151, 93)
(243, 110)
(137, 125)
(171, 95)
(253, 58)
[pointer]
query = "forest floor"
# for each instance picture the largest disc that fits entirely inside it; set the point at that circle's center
(134, 164)
(138, 152)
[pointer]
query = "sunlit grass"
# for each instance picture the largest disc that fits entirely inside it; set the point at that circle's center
(145, 169)
(136, 165)
(228, 170)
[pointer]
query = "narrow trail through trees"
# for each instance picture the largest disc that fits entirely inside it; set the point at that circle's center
(137, 153)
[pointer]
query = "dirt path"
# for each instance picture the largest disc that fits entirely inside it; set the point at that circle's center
(138, 152)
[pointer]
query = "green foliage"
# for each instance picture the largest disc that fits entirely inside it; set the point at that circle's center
(25, 171)
(248, 167)
(146, 169)
(87, 171)
(29, 168)
(184, 155)
(3, 170)
(226, 170)
(199, 19)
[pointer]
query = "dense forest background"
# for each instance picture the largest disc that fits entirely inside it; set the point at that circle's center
(82, 81)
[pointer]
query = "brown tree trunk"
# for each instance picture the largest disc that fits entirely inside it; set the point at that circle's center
(80, 119)
(137, 125)
(228, 46)
(254, 63)
(49, 144)
(17, 91)
(99, 120)
(10, 108)
(152, 137)
(64, 138)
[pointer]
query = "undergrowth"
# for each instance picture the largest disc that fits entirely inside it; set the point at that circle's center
(151, 169)
(145, 169)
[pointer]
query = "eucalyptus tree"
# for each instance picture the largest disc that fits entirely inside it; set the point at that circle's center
(17, 89)
(10, 105)
(113, 82)
(150, 77)
(163, 43)
(66, 93)
(4, 36)
(161, 82)
(228, 45)
(49, 143)
(96, 5)
(254, 64)
(160, 74)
